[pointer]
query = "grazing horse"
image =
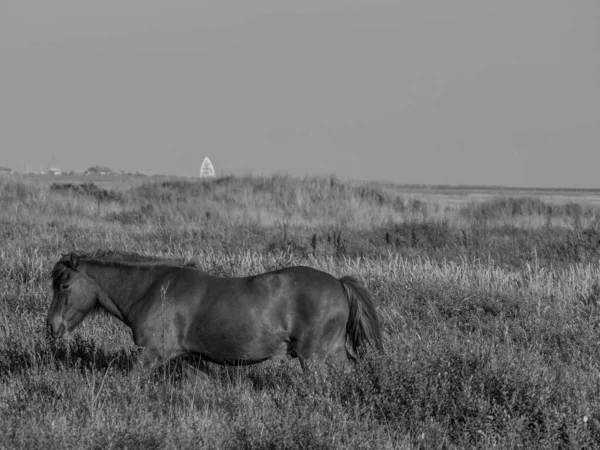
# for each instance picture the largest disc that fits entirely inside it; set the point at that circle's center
(179, 311)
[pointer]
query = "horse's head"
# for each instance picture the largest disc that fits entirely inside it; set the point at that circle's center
(75, 295)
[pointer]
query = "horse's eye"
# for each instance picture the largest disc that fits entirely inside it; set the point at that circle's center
(64, 287)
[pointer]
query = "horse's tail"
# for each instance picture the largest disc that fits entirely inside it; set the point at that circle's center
(363, 322)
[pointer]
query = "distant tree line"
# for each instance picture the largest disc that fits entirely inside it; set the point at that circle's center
(99, 170)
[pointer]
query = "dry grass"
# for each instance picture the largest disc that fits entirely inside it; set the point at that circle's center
(490, 309)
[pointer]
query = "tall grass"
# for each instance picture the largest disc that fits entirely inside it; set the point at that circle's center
(490, 311)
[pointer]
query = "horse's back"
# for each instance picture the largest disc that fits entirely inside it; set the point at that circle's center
(295, 293)
(312, 288)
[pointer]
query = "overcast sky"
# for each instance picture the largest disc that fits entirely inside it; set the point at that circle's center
(410, 91)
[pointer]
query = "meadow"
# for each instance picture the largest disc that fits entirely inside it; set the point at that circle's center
(489, 303)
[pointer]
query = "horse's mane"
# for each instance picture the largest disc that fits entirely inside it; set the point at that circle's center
(114, 256)
(119, 255)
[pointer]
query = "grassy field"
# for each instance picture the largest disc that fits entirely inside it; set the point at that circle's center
(489, 301)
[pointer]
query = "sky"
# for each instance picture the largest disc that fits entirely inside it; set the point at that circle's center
(481, 92)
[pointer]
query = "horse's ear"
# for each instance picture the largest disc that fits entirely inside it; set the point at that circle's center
(74, 261)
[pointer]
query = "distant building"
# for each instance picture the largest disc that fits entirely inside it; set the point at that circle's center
(5, 170)
(54, 171)
(206, 169)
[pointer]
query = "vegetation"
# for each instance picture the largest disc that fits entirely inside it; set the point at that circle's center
(489, 305)
(99, 169)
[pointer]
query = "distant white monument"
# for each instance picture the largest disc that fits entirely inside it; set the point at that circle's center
(206, 169)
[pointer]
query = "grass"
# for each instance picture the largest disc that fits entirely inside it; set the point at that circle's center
(489, 306)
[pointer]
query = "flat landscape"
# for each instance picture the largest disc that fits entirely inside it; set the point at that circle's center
(488, 299)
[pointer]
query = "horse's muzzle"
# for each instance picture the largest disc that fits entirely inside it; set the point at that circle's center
(55, 331)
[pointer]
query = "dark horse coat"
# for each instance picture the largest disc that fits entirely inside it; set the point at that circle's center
(176, 310)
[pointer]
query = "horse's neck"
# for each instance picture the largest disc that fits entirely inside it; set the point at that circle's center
(122, 285)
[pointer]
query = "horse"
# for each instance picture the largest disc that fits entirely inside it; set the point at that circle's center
(177, 311)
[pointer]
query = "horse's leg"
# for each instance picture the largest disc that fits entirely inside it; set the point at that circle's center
(322, 347)
(303, 364)
(304, 353)
(310, 360)
(340, 359)
(151, 358)
(146, 363)
(194, 370)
